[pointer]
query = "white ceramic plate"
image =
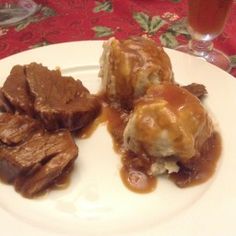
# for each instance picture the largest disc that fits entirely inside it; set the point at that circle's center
(96, 202)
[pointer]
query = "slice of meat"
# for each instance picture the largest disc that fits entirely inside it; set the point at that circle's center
(60, 102)
(5, 106)
(46, 176)
(56, 154)
(199, 90)
(38, 160)
(17, 128)
(15, 90)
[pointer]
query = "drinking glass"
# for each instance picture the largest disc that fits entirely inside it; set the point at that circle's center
(14, 11)
(206, 20)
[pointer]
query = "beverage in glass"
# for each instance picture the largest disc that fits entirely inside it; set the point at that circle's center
(206, 20)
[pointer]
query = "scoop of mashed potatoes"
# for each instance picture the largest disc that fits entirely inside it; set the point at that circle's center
(129, 67)
(168, 123)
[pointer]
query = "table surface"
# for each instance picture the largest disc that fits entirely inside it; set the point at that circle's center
(71, 20)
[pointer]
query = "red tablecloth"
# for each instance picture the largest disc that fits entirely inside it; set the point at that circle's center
(71, 20)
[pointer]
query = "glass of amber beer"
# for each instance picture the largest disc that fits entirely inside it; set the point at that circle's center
(206, 20)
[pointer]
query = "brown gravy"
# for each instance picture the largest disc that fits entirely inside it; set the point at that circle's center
(88, 130)
(135, 171)
(199, 169)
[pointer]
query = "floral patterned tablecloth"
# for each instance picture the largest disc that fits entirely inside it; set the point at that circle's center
(73, 20)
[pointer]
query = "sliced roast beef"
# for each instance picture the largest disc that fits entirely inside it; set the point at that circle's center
(198, 90)
(16, 92)
(5, 105)
(47, 175)
(35, 161)
(15, 129)
(60, 102)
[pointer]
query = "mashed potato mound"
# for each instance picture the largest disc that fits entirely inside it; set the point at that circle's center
(168, 123)
(129, 67)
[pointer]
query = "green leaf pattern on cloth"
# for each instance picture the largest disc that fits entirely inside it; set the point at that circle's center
(169, 40)
(103, 6)
(175, 0)
(155, 24)
(142, 19)
(170, 37)
(233, 60)
(179, 27)
(47, 11)
(102, 31)
(40, 44)
(149, 24)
